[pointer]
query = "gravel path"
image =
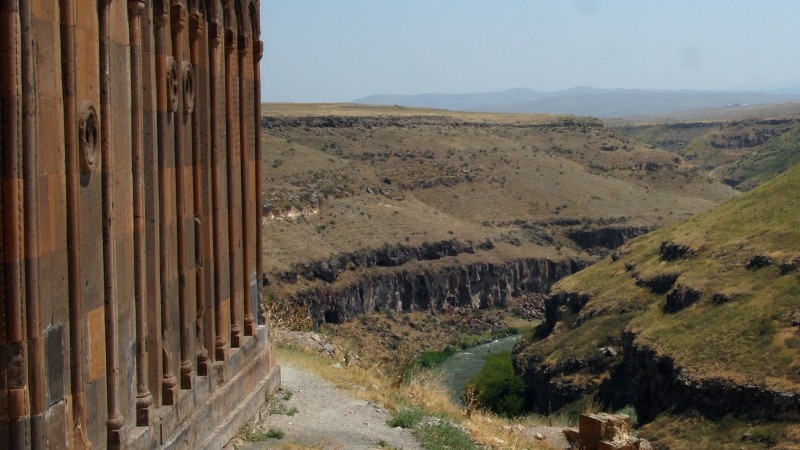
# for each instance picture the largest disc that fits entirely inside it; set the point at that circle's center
(330, 418)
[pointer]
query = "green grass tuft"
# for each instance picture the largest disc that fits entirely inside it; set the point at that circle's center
(407, 418)
(444, 435)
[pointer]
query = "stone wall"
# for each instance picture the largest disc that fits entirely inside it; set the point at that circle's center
(130, 229)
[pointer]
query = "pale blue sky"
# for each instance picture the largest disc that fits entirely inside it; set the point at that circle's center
(340, 50)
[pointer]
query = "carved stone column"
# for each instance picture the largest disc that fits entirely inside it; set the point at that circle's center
(144, 400)
(11, 98)
(249, 318)
(115, 420)
(196, 22)
(230, 48)
(179, 17)
(166, 75)
(258, 53)
(71, 149)
(214, 41)
(30, 150)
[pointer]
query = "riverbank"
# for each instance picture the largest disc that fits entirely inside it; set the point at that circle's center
(421, 390)
(458, 368)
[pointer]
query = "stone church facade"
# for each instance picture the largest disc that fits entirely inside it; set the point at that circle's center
(130, 223)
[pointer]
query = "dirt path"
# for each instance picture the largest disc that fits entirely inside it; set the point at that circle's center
(328, 417)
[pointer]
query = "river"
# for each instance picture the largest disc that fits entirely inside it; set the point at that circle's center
(462, 365)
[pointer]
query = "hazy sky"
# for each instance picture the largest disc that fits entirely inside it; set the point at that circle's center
(340, 50)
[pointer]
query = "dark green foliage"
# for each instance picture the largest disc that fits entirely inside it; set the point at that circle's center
(630, 411)
(430, 359)
(499, 388)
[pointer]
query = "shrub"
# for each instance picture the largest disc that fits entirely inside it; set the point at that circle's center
(500, 389)
(274, 433)
(630, 411)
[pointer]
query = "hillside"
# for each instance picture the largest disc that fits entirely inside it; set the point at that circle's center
(586, 101)
(694, 322)
(344, 178)
(742, 152)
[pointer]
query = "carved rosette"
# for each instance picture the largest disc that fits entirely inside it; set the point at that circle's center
(173, 84)
(88, 136)
(188, 87)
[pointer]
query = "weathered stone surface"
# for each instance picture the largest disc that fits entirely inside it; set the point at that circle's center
(477, 285)
(129, 222)
(387, 256)
(605, 432)
(790, 266)
(607, 238)
(681, 297)
(672, 250)
(659, 284)
(759, 262)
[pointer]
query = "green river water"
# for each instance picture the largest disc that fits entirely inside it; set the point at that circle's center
(462, 365)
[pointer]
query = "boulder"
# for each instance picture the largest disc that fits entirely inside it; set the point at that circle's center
(605, 432)
(759, 261)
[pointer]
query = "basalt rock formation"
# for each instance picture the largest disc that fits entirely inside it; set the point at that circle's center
(605, 238)
(655, 383)
(477, 285)
(633, 373)
(386, 256)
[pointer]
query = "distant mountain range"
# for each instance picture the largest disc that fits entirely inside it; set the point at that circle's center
(587, 101)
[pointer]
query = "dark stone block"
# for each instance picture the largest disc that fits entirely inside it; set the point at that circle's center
(54, 351)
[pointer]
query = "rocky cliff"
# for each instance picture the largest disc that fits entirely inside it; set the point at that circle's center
(628, 371)
(387, 256)
(390, 277)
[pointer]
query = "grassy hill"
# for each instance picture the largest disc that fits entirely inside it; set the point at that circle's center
(344, 177)
(714, 303)
(742, 151)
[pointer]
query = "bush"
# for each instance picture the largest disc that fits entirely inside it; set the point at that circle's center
(499, 388)
(275, 433)
(630, 411)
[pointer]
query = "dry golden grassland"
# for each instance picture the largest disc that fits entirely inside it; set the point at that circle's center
(423, 390)
(436, 175)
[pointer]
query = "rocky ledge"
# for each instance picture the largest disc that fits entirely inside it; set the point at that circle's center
(477, 285)
(630, 372)
(387, 256)
(608, 238)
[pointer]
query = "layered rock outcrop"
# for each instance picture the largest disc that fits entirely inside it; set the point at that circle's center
(633, 373)
(476, 285)
(605, 238)
(388, 256)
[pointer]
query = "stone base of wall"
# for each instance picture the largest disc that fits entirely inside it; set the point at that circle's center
(220, 404)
